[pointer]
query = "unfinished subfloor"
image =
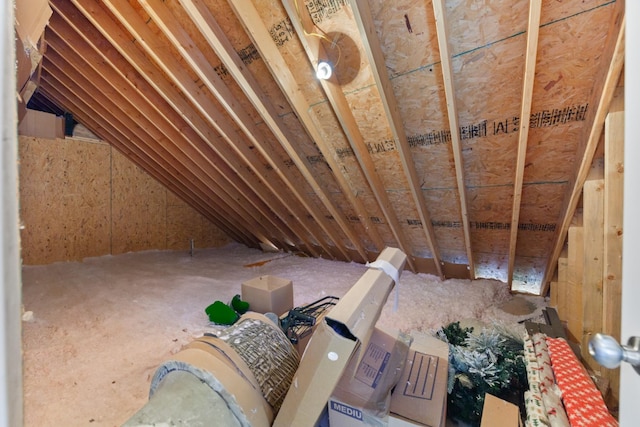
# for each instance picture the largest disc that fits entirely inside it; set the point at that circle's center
(94, 332)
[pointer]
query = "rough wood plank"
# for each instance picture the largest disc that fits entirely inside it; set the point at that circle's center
(574, 314)
(613, 222)
(449, 86)
(592, 282)
(523, 135)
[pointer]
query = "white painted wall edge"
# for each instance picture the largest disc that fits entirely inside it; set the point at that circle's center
(629, 380)
(11, 408)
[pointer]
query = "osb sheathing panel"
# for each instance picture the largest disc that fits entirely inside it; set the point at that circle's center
(81, 199)
(138, 208)
(184, 224)
(64, 199)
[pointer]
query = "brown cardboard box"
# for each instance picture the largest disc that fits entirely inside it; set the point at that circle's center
(421, 393)
(268, 294)
(32, 16)
(499, 413)
(363, 398)
(348, 324)
(41, 125)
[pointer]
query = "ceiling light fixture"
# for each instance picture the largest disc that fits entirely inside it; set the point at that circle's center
(324, 70)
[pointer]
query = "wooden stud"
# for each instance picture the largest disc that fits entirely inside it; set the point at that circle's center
(593, 226)
(533, 27)
(452, 112)
(613, 202)
(574, 315)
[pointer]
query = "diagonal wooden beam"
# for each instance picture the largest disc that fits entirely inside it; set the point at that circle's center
(134, 90)
(157, 49)
(611, 79)
(85, 117)
(205, 128)
(452, 112)
(362, 15)
(253, 24)
(533, 28)
(216, 38)
(338, 101)
(112, 131)
(122, 120)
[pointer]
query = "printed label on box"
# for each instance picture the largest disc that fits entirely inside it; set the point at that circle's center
(372, 366)
(422, 376)
(347, 410)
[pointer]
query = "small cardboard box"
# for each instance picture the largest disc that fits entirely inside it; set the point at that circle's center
(349, 323)
(421, 393)
(499, 413)
(363, 398)
(268, 294)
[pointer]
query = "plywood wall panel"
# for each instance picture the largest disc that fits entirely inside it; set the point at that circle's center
(64, 199)
(81, 199)
(183, 224)
(138, 208)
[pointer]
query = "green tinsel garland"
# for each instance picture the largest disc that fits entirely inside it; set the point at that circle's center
(491, 362)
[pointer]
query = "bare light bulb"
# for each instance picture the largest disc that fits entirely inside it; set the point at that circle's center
(324, 70)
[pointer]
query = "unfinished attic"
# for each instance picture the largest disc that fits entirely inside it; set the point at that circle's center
(481, 139)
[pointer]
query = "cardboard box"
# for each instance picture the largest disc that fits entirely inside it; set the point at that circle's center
(268, 294)
(41, 125)
(362, 395)
(349, 324)
(499, 413)
(421, 393)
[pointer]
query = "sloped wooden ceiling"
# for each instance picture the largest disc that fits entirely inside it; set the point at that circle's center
(459, 131)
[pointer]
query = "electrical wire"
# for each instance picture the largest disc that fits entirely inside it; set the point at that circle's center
(322, 35)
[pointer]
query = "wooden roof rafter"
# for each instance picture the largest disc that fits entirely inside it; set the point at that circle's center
(115, 132)
(65, 57)
(152, 109)
(452, 113)
(239, 157)
(107, 135)
(225, 51)
(535, 7)
(363, 17)
(344, 114)
(298, 205)
(255, 27)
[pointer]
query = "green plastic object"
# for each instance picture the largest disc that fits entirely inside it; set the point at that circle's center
(221, 314)
(238, 305)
